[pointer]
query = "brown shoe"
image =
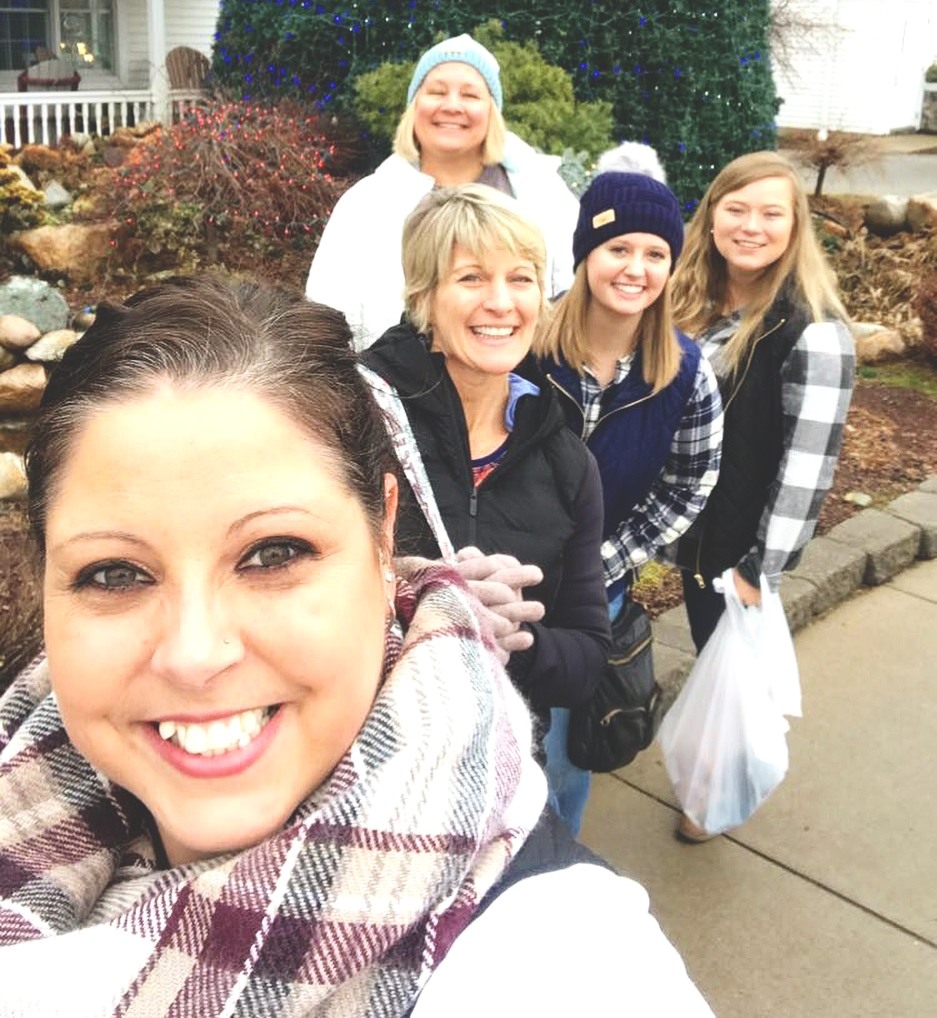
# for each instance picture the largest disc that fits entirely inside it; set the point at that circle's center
(692, 834)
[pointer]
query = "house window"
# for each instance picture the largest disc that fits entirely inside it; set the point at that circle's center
(23, 27)
(79, 32)
(86, 32)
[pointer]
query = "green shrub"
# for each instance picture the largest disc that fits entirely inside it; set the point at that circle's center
(930, 75)
(233, 183)
(539, 102)
(21, 207)
(381, 97)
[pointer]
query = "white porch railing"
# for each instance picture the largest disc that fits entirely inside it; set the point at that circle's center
(43, 117)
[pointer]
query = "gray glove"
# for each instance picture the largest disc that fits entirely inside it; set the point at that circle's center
(498, 581)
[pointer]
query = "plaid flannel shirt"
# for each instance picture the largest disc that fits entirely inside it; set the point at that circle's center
(683, 485)
(817, 380)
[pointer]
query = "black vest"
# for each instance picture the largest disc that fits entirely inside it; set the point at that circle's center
(752, 447)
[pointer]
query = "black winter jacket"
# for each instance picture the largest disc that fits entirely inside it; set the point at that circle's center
(542, 504)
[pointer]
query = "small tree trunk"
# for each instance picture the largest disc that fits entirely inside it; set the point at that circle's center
(821, 175)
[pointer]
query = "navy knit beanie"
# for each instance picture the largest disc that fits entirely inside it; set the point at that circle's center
(616, 203)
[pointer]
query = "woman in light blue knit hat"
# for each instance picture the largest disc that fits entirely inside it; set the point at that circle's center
(452, 132)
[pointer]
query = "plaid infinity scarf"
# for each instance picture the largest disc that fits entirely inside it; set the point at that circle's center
(346, 911)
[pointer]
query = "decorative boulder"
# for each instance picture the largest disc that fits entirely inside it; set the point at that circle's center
(875, 343)
(53, 345)
(56, 195)
(74, 250)
(36, 301)
(887, 215)
(21, 388)
(16, 333)
(12, 476)
(922, 212)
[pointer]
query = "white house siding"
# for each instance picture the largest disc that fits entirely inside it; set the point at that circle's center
(863, 69)
(191, 23)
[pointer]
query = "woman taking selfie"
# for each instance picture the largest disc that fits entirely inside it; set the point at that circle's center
(756, 292)
(451, 133)
(235, 783)
(636, 391)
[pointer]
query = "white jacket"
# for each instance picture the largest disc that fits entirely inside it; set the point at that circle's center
(357, 268)
(576, 941)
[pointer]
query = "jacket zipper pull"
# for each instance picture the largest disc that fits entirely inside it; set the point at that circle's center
(701, 583)
(473, 513)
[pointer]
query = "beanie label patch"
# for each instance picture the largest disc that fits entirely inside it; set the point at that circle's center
(603, 218)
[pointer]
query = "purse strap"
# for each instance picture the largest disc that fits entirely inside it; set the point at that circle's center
(408, 456)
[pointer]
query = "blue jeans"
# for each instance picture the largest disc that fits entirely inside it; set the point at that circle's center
(567, 785)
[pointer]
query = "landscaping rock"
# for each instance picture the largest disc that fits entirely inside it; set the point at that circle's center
(83, 319)
(56, 195)
(114, 156)
(834, 569)
(919, 508)
(875, 343)
(53, 345)
(922, 212)
(889, 544)
(798, 597)
(17, 333)
(75, 250)
(21, 388)
(12, 476)
(887, 215)
(36, 301)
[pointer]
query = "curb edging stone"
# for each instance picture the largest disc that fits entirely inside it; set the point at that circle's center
(867, 550)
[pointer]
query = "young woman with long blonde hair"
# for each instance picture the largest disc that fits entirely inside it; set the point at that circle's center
(756, 292)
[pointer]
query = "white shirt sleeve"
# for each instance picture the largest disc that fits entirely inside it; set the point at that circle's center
(576, 941)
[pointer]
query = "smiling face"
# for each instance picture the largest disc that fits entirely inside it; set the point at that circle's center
(628, 273)
(484, 311)
(214, 614)
(451, 111)
(752, 226)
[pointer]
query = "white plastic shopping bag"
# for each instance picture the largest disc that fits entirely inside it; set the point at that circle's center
(724, 740)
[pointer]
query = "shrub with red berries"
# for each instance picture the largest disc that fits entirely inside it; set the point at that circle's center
(232, 184)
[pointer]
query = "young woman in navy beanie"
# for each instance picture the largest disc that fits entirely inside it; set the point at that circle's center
(638, 393)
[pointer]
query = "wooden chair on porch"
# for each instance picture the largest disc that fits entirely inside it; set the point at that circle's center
(187, 68)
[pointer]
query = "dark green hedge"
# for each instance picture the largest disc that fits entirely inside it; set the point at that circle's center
(690, 78)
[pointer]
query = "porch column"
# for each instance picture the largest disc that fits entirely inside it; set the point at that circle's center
(159, 79)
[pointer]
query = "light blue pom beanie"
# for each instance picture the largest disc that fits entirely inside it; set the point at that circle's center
(461, 49)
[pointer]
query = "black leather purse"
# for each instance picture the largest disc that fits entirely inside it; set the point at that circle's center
(623, 715)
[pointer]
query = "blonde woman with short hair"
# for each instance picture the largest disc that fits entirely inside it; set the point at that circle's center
(452, 132)
(756, 292)
(508, 476)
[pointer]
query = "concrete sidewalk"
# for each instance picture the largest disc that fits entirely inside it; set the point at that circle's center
(825, 902)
